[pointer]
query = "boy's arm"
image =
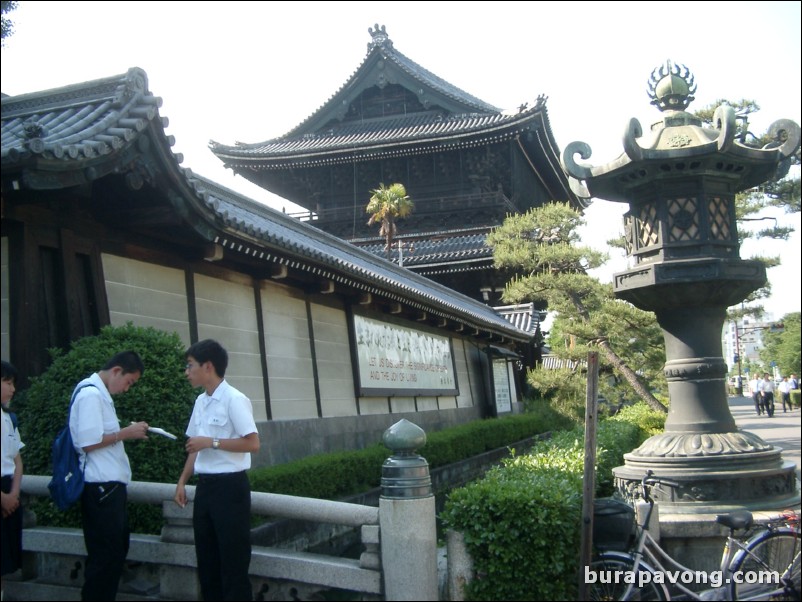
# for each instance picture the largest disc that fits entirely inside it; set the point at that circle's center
(180, 497)
(16, 484)
(247, 444)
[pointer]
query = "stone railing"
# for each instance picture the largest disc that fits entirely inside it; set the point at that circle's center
(164, 566)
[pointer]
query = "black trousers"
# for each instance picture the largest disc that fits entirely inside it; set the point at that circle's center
(104, 514)
(758, 403)
(222, 525)
(768, 403)
(11, 534)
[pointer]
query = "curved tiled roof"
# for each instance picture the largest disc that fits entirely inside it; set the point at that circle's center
(452, 248)
(71, 135)
(522, 315)
(331, 257)
(416, 129)
(467, 116)
(80, 121)
(381, 51)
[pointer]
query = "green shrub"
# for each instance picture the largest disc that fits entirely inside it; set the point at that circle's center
(339, 474)
(522, 533)
(796, 397)
(645, 418)
(521, 521)
(162, 397)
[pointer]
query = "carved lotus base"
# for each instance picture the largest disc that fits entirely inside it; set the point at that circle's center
(715, 471)
(693, 445)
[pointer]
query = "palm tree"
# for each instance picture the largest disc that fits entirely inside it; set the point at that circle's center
(386, 206)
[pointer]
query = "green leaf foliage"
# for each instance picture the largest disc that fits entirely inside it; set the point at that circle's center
(542, 248)
(340, 474)
(521, 521)
(783, 345)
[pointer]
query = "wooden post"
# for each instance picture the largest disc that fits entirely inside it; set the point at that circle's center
(589, 476)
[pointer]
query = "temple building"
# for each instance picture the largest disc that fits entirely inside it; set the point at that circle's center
(465, 164)
(102, 226)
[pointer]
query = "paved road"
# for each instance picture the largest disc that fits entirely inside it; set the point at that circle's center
(782, 429)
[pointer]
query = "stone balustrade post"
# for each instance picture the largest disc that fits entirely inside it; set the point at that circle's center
(178, 582)
(407, 518)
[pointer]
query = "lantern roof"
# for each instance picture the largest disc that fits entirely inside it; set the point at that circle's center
(680, 146)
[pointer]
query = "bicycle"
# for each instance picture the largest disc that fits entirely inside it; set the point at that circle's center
(770, 557)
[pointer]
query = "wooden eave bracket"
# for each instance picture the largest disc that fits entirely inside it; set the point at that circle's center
(213, 252)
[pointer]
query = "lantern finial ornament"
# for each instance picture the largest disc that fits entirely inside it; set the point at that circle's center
(672, 87)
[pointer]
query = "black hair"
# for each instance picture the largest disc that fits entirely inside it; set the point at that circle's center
(129, 361)
(9, 372)
(209, 350)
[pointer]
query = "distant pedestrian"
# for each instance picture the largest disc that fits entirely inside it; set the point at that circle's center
(766, 387)
(754, 389)
(785, 391)
(793, 382)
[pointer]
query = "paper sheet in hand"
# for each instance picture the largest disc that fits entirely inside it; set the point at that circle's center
(162, 432)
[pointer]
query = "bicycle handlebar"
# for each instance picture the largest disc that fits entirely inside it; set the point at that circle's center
(652, 480)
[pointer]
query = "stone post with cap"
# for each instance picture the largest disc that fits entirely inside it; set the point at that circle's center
(407, 517)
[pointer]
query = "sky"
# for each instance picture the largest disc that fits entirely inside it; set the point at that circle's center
(252, 71)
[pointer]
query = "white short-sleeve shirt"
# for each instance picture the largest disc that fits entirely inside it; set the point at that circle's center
(225, 414)
(92, 416)
(11, 445)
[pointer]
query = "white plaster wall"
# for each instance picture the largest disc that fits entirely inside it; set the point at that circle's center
(402, 404)
(289, 354)
(426, 403)
(333, 355)
(226, 312)
(465, 399)
(513, 386)
(146, 294)
(447, 403)
(376, 405)
(475, 373)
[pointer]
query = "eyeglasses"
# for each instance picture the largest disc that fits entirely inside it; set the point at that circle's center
(190, 366)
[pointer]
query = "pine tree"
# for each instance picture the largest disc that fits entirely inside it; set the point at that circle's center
(544, 245)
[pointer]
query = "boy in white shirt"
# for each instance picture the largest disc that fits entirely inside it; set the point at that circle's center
(222, 435)
(12, 477)
(98, 438)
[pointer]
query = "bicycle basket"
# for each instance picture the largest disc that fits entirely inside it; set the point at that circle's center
(613, 524)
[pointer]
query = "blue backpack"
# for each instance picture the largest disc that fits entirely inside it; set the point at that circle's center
(67, 483)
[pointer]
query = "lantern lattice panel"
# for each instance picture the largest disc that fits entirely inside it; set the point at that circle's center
(683, 220)
(719, 216)
(649, 232)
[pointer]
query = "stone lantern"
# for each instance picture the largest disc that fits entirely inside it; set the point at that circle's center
(680, 181)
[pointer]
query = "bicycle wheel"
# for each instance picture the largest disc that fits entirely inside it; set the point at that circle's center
(606, 579)
(768, 569)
